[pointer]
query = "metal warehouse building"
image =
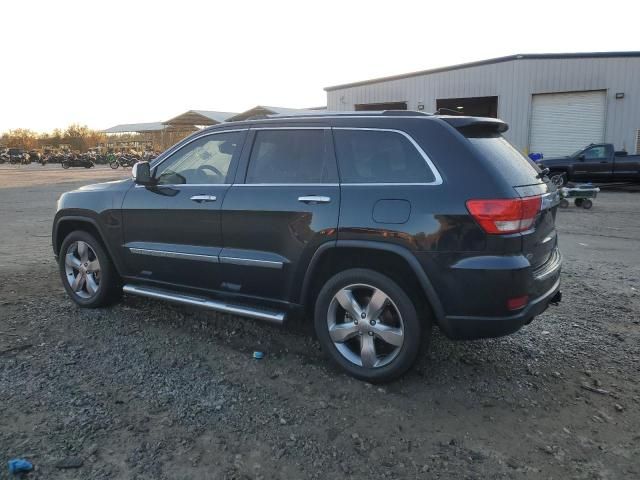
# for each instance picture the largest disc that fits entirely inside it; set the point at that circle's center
(553, 103)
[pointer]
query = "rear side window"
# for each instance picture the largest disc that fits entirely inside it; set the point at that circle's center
(379, 156)
(512, 165)
(290, 156)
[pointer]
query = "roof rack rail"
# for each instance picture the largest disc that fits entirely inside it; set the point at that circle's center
(360, 113)
(404, 113)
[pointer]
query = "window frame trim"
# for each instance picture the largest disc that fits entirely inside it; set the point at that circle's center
(437, 178)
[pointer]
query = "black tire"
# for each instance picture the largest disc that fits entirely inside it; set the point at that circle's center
(109, 285)
(564, 203)
(578, 202)
(416, 330)
(587, 204)
(114, 164)
(65, 165)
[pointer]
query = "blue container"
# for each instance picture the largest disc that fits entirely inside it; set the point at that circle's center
(18, 465)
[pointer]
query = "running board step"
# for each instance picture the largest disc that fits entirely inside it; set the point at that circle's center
(186, 299)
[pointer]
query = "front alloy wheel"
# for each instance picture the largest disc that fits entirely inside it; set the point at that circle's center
(87, 273)
(83, 269)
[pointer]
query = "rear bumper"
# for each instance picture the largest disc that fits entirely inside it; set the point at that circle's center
(473, 327)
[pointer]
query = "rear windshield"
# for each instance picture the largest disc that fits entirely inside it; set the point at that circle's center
(515, 167)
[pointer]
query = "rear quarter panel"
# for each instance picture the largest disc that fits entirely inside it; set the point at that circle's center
(439, 230)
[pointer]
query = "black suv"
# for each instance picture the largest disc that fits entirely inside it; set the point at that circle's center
(377, 225)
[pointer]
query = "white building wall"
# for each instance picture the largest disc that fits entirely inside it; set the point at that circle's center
(514, 82)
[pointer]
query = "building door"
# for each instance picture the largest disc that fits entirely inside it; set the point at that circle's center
(473, 106)
(380, 106)
(562, 123)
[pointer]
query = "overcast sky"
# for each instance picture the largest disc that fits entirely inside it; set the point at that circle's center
(102, 63)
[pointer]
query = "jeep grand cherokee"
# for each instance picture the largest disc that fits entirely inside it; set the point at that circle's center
(377, 225)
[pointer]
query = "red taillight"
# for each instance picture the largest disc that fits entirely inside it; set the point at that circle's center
(506, 215)
(516, 303)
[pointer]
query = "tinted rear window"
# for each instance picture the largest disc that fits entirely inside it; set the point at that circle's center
(290, 156)
(515, 167)
(379, 156)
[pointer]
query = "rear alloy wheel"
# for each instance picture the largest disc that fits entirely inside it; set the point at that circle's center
(368, 325)
(87, 273)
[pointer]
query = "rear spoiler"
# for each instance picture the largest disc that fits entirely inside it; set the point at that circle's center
(475, 124)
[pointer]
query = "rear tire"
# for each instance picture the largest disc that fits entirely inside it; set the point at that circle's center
(578, 202)
(86, 270)
(564, 203)
(114, 164)
(377, 338)
(587, 204)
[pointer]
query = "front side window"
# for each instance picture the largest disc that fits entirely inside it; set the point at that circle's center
(596, 153)
(290, 156)
(203, 161)
(378, 156)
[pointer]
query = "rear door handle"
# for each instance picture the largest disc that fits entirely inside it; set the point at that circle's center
(204, 198)
(314, 199)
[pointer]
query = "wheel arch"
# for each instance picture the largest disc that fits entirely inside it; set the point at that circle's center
(66, 224)
(318, 271)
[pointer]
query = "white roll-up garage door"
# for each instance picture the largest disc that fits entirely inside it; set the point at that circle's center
(561, 123)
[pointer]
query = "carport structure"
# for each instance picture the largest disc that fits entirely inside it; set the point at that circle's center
(195, 119)
(135, 135)
(261, 111)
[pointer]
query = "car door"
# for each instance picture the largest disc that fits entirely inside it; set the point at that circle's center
(286, 205)
(593, 164)
(626, 167)
(171, 230)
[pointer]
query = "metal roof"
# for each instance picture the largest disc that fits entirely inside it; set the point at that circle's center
(263, 110)
(136, 128)
(199, 117)
(524, 56)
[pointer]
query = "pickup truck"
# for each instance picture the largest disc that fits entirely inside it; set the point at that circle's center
(594, 163)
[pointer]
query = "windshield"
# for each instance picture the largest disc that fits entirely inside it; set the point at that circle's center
(575, 154)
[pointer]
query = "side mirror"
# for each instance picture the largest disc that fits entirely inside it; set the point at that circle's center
(141, 173)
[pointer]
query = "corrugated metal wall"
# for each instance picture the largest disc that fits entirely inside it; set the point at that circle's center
(514, 82)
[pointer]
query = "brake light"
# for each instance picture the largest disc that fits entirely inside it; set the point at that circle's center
(505, 215)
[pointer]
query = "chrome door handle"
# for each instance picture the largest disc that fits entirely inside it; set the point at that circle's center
(314, 199)
(204, 198)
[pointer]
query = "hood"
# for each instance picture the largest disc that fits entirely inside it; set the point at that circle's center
(112, 185)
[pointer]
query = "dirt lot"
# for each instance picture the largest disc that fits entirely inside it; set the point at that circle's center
(148, 390)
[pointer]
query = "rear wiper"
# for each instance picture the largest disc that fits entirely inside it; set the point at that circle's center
(543, 173)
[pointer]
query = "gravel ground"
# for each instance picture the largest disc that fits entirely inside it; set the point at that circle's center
(150, 390)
